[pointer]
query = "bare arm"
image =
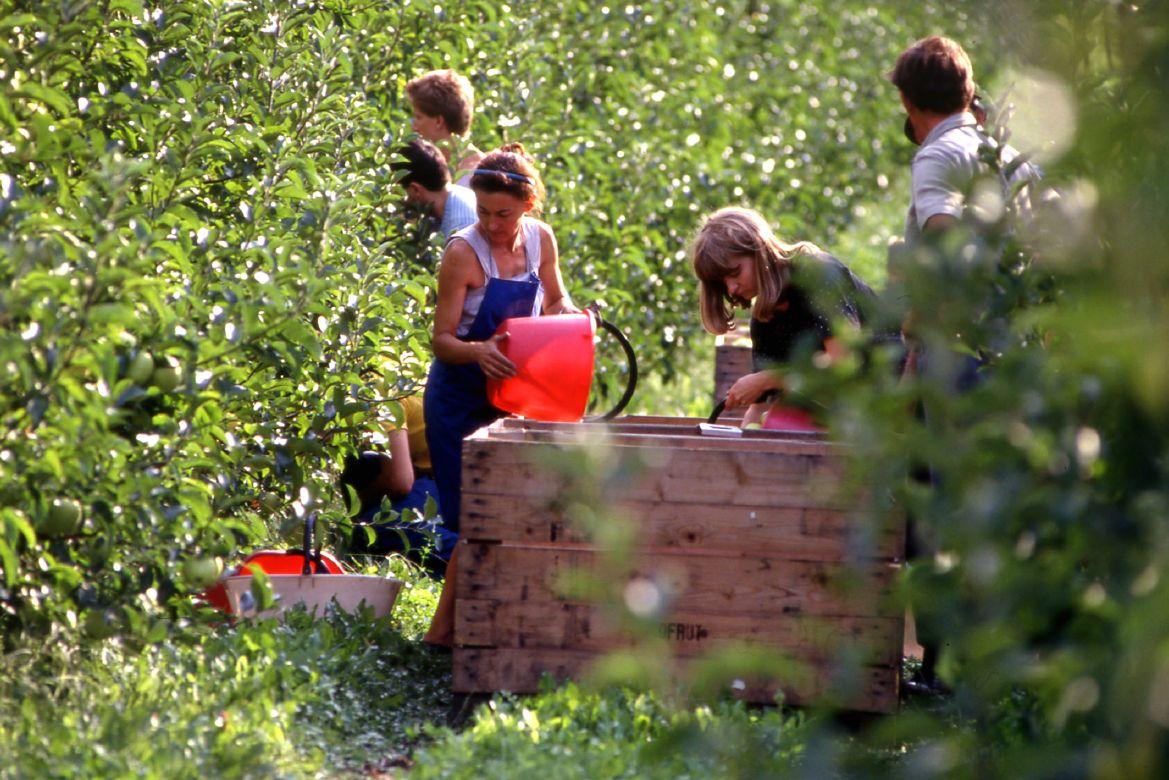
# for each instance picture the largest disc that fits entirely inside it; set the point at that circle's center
(459, 273)
(746, 390)
(396, 477)
(556, 300)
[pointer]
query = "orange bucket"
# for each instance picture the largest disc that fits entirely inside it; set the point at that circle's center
(553, 356)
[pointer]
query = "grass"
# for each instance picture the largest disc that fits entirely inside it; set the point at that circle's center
(354, 696)
(300, 698)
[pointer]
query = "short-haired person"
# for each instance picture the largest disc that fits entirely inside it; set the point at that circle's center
(935, 80)
(936, 83)
(794, 292)
(443, 104)
(428, 184)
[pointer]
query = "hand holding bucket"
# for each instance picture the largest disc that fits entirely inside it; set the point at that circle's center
(553, 358)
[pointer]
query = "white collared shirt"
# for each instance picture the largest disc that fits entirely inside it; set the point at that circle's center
(944, 167)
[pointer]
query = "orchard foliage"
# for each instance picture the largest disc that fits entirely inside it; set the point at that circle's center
(617, 735)
(209, 294)
(209, 290)
(199, 245)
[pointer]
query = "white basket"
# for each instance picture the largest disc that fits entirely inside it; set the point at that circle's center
(317, 592)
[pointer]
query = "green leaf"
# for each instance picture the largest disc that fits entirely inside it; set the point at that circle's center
(11, 564)
(53, 98)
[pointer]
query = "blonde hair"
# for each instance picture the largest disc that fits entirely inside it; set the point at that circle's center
(447, 94)
(730, 233)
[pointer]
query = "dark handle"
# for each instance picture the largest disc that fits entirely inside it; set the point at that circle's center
(631, 361)
(770, 395)
(312, 555)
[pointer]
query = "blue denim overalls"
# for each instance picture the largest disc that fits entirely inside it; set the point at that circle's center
(455, 403)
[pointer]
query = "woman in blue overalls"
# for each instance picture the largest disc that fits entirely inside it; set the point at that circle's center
(504, 265)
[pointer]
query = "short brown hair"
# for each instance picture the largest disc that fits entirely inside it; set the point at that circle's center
(935, 75)
(447, 94)
(730, 233)
(510, 169)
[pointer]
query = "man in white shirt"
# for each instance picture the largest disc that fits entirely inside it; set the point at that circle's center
(936, 82)
(428, 184)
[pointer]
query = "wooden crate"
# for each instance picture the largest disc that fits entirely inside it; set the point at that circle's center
(752, 535)
(732, 360)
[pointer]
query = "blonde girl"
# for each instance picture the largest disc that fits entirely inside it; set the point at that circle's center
(792, 290)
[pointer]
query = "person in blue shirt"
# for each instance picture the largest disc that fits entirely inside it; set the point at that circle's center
(428, 185)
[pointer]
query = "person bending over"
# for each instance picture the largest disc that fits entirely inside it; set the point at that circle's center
(405, 478)
(428, 184)
(793, 291)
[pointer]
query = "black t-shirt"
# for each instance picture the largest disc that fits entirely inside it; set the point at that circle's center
(820, 289)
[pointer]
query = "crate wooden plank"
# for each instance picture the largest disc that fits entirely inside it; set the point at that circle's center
(752, 539)
(769, 588)
(731, 362)
(660, 426)
(676, 475)
(519, 670)
(795, 532)
(686, 427)
(684, 437)
(752, 440)
(567, 626)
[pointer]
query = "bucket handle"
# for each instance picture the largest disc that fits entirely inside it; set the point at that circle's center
(630, 360)
(312, 553)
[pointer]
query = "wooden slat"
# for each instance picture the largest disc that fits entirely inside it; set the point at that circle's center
(752, 440)
(731, 362)
(768, 588)
(684, 436)
(507, 427)
(520, 670)
(794, 532)
(566, 626)
(680, 475)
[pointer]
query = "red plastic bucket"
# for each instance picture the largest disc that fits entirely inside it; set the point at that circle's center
(789, 418)
(271, 562)
(553, 356)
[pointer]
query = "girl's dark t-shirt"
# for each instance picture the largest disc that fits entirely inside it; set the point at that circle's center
(820, 289)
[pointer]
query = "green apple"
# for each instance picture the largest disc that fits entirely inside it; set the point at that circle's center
(166, 377)
(141, 368)
(202, 572)
(62, 519)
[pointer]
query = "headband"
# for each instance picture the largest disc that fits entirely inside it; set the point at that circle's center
(508, 174)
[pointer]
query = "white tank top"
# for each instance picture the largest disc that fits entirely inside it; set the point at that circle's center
(530, 233)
